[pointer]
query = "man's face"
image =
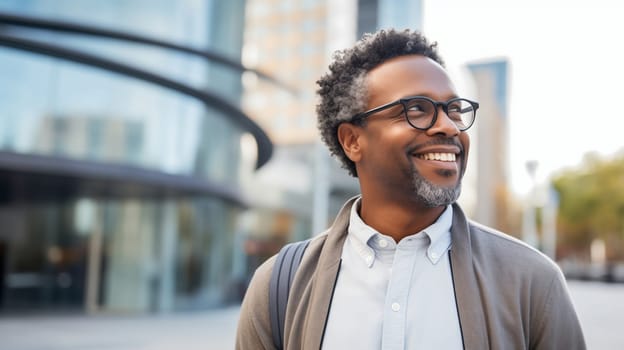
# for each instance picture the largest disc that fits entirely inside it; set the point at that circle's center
(399, 160)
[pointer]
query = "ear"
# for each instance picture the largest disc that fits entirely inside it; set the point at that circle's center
(351, 140)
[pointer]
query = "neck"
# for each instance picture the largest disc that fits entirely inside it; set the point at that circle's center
(397, 219)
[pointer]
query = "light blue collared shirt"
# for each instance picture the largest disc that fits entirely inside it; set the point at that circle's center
(394, 296)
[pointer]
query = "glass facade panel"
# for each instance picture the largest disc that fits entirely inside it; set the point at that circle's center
(121, 244)
(51, 107)
(204, 275)
(128, 275)
(212, 25)
(46, 260)
(172, 64)
(183, 21)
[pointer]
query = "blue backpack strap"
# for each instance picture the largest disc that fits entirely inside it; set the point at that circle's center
(286, 265)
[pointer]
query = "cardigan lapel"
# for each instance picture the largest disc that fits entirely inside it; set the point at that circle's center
(467, 291)
(324, 279)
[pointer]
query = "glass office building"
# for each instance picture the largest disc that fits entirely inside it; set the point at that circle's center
(121, 154)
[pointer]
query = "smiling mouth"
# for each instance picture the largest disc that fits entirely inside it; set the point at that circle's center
(442, 157)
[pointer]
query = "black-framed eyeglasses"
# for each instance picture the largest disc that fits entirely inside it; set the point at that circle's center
(421, 112)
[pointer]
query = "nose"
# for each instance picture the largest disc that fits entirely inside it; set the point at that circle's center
(443, 125)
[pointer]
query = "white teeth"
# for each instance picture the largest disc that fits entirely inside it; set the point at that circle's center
(444, 157)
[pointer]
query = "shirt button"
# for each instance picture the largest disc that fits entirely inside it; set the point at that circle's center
(383, 243)
(396, 307)
(434, 256)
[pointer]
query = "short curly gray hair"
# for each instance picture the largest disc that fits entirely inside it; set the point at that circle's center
(343, 91)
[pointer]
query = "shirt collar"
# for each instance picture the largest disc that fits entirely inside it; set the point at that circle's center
(439, 234)
(361, 234)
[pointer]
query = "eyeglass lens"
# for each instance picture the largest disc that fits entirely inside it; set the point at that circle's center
(420, 113)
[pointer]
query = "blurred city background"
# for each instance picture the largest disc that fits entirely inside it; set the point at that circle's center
(153, 153)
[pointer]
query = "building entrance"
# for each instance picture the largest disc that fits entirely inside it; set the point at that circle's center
(42, 259)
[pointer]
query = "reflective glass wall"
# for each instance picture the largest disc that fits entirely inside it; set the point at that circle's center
(52, 106)
(71, 242)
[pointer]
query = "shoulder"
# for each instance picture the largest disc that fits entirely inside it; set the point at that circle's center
(507, 252)
(513, 267)
(525, 282)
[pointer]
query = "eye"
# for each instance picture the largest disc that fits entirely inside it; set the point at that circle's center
(455, 107)
(418, 108)
(455, 110)
(419, 112)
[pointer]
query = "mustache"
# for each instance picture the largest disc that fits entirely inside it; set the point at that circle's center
(438, 141)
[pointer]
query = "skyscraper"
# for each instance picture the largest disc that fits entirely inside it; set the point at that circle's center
(492, 190)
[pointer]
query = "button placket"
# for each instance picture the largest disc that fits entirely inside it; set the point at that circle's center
(395, 314)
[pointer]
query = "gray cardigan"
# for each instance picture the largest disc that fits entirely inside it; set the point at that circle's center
(509, 295)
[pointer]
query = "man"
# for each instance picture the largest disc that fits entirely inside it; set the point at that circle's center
(402, 267)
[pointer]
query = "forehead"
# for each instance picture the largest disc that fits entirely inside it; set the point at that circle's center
(408, 76)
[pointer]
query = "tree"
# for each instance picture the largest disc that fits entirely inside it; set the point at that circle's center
(592, 205)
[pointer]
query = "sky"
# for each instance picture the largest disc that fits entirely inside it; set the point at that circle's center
(566, 68)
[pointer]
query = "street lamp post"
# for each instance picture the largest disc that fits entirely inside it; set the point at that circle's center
(529, 230)
(549, 240)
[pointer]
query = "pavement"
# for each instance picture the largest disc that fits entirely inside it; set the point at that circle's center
(600, 307)
(206, 330)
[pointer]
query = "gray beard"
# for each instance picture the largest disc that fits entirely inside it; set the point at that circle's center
(432, 195)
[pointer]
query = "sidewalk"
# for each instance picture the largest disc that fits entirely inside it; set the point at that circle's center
(207, 330)
(600, 308)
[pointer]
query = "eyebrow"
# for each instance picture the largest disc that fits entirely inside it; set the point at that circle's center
(431, 97)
